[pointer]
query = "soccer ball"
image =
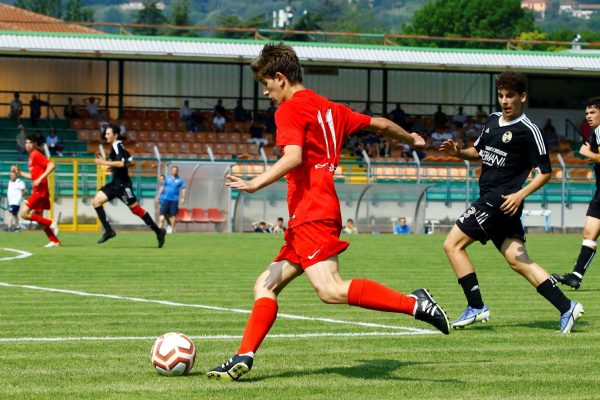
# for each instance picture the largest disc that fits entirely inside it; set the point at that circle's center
(173, 354)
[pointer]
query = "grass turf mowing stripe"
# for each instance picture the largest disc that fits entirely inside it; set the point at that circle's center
(235, 310)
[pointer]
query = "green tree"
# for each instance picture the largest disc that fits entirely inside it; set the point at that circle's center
(151, 15)
(180, 17)
(74, 11)
(470, 19)
(52, 8)
(233, 21)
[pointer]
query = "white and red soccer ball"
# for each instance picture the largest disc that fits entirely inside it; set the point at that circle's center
(173, 354)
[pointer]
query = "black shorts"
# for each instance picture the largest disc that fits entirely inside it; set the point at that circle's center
(14, 209)
(594, 207)
(483, 226)
(120, 191)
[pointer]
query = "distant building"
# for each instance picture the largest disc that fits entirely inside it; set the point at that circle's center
(537, 6)
(579, 10)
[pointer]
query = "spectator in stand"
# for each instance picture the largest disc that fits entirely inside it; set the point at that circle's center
(53, 143)
(383, 148)
(481, 117)
(219, 122)
(35, 109)
(256, 135)
(279, 227)
(401, 227)
(16, 108)
(550, 135)
(185, 112)
(219, 108)
(584, 130)
(459, 119)
(439, 118)
(399, 117)
(440, 135)
(92, 104)
(472, 131)
(407, 152)
(240, 113)
(20, 140)
(350, 228)
(123, 128)
(270, 117)
(39, 139)
(419, 126)
(70, 111)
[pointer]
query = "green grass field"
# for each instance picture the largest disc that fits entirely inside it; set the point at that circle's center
(73, 323)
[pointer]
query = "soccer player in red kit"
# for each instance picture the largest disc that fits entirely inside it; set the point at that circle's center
(39, 169)
(310, 131)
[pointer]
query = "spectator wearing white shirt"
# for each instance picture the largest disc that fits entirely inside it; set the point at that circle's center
(16, 191)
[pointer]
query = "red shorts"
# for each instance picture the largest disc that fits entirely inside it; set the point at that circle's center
(38, 202)
(311, 242)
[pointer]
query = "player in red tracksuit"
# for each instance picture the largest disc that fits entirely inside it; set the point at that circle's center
(39, 169)
(310, 131)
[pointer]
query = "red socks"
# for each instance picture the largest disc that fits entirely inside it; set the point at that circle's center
(40, 220)
(260, 322)
(375, 296)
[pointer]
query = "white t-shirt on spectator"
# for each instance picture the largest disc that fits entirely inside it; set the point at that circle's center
(15, 192)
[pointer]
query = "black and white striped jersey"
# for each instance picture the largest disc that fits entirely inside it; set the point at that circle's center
(118, 153)
(594, 145)
(509, 151)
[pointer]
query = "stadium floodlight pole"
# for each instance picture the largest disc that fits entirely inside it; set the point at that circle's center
(563, 185)
(418, 161)
(468, 188)
(368, 161)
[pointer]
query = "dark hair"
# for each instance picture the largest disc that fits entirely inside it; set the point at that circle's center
(31, 138)
(275, 58)
(512, 80)
(593, 102)
(115, 128)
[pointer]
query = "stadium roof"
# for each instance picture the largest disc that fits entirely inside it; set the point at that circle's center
(18, 19)
(129, 47)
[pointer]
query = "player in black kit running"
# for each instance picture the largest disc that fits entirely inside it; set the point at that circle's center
(509, 146)
(120, 187)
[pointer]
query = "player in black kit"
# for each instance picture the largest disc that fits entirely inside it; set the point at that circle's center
(120, 187)
(591, 230)
(509, 146)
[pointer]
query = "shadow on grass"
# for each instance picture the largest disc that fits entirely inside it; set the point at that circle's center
(366, 369)
(552, 325)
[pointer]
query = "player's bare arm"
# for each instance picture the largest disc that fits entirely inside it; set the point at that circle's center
(49, 169)
(292, 158)
(117, 164)
(383, 126)
(587, 152)
(452, 148)
(513, 201)
(20, 172)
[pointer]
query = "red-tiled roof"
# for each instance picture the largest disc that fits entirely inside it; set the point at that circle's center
(18, 19)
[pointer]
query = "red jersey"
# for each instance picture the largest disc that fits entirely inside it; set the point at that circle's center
(37, 166)
(320, 127)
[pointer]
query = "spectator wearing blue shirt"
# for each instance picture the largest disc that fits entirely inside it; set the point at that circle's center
(174, 195)
(401, 228)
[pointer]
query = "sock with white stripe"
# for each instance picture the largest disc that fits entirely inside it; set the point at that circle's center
(586, 255)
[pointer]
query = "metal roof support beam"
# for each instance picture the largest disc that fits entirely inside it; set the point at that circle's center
(120, 83)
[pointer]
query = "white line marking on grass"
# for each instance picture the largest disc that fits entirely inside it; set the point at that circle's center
(235, 310)
(22, 254)
(210, 337)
